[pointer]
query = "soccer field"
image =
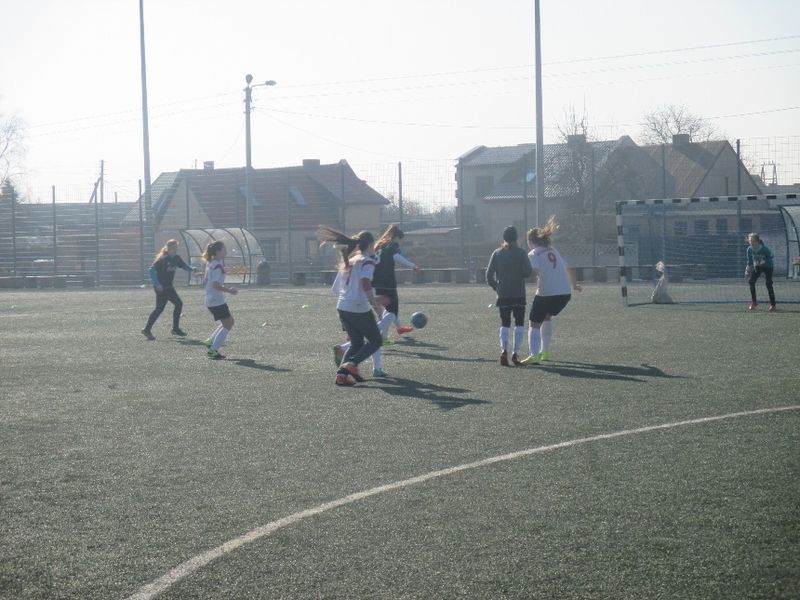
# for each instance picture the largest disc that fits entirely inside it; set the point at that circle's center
(655, 457)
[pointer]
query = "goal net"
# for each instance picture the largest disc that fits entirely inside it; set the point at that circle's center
(693, 250)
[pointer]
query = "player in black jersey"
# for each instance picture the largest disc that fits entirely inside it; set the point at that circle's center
(162, 274)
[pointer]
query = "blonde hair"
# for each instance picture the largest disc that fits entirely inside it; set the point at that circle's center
(212, 248)
(165, 249)
(343, 243)
(754, 236)
(393, 231)
(540, 236)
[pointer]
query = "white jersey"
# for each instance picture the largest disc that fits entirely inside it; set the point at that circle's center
(215, 272)
(352, 297)
(552, 270)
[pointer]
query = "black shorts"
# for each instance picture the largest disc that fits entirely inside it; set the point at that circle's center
(394, 301)
(509, 306)
(544, 306)
(220, 312)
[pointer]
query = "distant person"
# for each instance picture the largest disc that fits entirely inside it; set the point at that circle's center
(356, 299)
(506, 273)
(214, 280)
(553, 293)
(759, 260)
(162, 274)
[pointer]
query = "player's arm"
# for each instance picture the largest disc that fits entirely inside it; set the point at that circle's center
(399, 258)
(491, 271)
(154, 277)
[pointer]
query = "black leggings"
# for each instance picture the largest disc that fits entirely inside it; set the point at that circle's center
(519, 315)
(359, 326)
(167, 295)
(767, 271)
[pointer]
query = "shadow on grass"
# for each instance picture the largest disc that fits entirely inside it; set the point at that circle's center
(185, 342)
(439, 395)
(409, 342)
(432, 356)
(606, 372)
(251, 364)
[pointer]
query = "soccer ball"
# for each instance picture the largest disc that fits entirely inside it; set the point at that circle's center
(419, 320)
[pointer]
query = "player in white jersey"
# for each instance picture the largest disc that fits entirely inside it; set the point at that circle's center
(553, 293)
(214, 280)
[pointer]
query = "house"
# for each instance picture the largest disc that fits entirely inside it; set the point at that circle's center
(288, 204)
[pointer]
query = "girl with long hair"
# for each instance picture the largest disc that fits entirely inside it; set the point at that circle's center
(506, 273)
(356, 299)
(162, 275)
(553, 292)
(759, 260)
(214, 255)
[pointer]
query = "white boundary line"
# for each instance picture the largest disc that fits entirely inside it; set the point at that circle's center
(150, 590)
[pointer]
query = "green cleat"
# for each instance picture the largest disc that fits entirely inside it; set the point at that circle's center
(388, 342)
(544, 356)
(533, 359)
(207, 343)
(214, 354)
(338, 355)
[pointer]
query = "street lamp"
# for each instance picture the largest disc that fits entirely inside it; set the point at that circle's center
(248, 98)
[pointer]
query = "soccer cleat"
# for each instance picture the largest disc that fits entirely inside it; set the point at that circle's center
(388, 342)
(544, 356)
(214, 354)
(207, 343)
(772, 308)
(752, 306)
(379, 373)
(515, 359)
(504, 358)
(179, 332)
(404, 330)
(353, 372)
(146, 333)
(343, 379)
(338, 354)
(533, 359)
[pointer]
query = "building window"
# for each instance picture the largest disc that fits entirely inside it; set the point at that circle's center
(722, 226)
(272, 249)
(312, 248)
(680, 228)
(701, 227)
(483, 185)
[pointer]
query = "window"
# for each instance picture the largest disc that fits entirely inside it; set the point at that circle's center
(272, 249)
(312, 248)
(680, 228)
(701, 227)
(722, 226)
(483, 185)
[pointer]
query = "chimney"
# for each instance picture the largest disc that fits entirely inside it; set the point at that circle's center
(208, 165)
(576, 140)
(681, 139)
(311, 162)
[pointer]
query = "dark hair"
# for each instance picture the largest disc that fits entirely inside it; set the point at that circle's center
(346, 245)
(212, 249)
(509, 236)
(754, 235)
(393, 231)
(540, 236)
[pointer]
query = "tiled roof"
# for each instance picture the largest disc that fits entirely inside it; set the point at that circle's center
(687, 164)
(33, 218)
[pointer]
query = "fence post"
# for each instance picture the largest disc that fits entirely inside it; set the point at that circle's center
(141, 234)
(55, 235)
(96, 237)
(13, 231)
(400, 191)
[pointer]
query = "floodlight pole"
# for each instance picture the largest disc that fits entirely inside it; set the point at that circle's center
(148, 200)
(248, 101)
(539, 125)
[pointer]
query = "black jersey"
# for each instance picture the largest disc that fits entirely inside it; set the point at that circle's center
(384, 276)
(165, 269)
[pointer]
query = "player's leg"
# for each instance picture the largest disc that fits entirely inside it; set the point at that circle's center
(770, 289)
(537, 316)
(519, 332)
(161, 302)
(505, 325)
(751, 281)
(172, 296)
(555, 305)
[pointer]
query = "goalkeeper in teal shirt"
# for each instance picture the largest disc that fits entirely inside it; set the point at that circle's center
(759, 260)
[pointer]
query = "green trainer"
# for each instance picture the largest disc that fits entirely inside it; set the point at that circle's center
(544, 356)
(533, 359)
(207, 343)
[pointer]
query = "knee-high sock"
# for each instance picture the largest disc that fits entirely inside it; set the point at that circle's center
(386, 322)
(534, 340)
(376, 359)
(547, 335)
(219, 339)
(504, 339)
(215, 332)
(519, 333)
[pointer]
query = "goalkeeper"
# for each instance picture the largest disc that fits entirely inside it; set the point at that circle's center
(759, 260)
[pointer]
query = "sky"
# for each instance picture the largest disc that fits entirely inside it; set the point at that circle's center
(376, 82)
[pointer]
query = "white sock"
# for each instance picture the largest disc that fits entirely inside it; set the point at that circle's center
(345, 347)
(376, 359)
(519, 333)
(534, 339)
(219, 339)
(547, 335)
(504, 339)
(215, 332)
(385, 323)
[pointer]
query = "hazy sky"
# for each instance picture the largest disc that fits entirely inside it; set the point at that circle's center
(373, 81)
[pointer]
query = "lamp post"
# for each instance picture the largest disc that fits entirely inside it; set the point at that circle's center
(248, 99)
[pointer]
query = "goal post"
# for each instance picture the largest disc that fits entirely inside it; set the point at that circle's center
(693, 250)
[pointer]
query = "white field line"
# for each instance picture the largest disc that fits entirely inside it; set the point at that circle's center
(195, 563)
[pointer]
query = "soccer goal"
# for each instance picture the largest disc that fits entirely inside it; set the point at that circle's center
(693, 250)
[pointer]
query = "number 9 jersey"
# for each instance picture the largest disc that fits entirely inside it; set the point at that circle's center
(552, 271)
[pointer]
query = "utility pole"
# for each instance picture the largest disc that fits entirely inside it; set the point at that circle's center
(148, 206)
(540, 199)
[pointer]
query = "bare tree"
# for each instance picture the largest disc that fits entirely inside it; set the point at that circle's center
(12, 149)
(575, 124)
(665, 121)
